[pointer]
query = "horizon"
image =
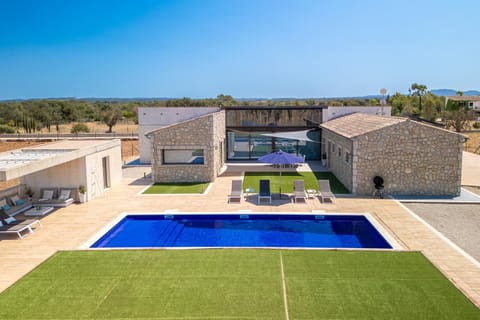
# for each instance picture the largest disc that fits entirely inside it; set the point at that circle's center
(267, 49)
(367, 96)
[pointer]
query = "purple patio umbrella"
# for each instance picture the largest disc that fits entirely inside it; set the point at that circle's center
(280, 158)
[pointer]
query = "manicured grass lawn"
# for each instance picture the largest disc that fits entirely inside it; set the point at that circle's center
(311, 181)
(235, 284)
(172, 188)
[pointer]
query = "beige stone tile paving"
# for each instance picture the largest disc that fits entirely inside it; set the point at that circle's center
(69, 228)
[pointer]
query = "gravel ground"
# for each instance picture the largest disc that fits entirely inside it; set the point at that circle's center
(458, 222)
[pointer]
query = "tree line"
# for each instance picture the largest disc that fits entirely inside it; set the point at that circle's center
(34, 115)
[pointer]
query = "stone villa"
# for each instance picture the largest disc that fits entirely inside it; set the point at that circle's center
(413, 158)
(359, 143)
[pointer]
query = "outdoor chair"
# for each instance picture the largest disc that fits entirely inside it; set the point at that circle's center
(53, 197)
(10, 225)
(324, 191)
(299, 190)
(264, 191)
(236, 192)
(14, 205)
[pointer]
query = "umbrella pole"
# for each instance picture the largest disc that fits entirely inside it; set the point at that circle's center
(280, 183)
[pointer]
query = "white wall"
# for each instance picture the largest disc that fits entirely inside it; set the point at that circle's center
(476, 105)
(86, 171)
(154, 118)
(335, 112)
(94, 171)
(69, 175)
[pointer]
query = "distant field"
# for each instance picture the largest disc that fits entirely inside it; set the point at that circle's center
(123, 127)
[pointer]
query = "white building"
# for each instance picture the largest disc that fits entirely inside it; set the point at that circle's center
(332, 112)
(150, 119)
(94, 164)
(473, 102)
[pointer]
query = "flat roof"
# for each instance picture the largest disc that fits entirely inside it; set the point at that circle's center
(21, 162)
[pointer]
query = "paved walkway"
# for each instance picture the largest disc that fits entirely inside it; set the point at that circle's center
(69, 228)
(470, 169)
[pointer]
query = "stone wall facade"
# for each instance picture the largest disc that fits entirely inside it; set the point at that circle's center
(338, 151)
(411, 157)
(206, 133)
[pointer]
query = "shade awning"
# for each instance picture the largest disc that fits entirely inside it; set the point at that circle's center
(293, 135)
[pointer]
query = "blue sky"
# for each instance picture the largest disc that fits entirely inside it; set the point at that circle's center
(259, 48)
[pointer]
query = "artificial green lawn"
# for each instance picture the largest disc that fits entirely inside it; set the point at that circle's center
(235, 284)
(176, 188)
(252, 179)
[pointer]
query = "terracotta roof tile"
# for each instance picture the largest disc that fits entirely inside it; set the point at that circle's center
(357, 124)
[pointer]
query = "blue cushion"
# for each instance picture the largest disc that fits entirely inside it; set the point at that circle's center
(9, 220)
(6, 207)
(19, 202)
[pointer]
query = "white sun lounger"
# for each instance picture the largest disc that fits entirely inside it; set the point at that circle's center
(236, 192)
(324, 191)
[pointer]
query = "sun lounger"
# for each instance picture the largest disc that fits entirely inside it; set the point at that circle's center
(264, 191)
(299, 190)
(236, 192)
(324, 191)
(9, 225)
(53, 197)
(17, 229)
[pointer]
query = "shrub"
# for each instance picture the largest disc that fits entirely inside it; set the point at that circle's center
(476, 125)
(6, 129)
(79, 127)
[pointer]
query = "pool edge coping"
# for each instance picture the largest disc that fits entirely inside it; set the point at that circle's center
(380, 229)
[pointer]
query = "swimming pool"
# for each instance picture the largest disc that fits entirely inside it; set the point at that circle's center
(244, 230)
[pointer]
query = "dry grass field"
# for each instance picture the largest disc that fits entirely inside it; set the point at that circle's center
(473, 142)
(123, 127)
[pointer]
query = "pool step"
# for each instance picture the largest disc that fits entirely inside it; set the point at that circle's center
(174, 234)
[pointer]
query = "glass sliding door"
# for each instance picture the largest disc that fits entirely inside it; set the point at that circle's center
(238, 145)
(261, 145)
(252, 145)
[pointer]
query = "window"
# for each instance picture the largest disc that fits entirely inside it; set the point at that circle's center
(339, 152)
(333, 148)
(347, 157)
(183, 156)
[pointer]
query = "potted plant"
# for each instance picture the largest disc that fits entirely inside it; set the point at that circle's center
(29, 192)
(324, 159)
(82, 193)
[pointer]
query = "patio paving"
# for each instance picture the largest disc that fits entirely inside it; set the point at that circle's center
(465, 196)
(69, 228)
(470, 169)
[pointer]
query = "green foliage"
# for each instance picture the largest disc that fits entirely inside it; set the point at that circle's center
(235, 284)
(110, 116)
(432, 106)
(6, 129)
(476, 125)
(79, 127)
(33, 115)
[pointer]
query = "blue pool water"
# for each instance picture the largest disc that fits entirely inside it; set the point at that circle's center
(291, 231)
